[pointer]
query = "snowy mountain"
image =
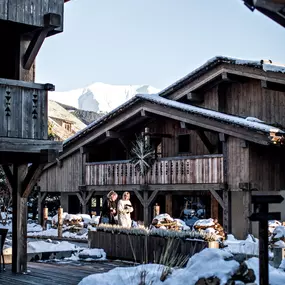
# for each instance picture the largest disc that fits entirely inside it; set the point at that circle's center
(100, 97)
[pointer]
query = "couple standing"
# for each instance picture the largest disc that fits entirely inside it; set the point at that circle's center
(110, 209)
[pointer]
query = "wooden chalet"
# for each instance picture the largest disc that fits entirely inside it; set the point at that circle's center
(24, 140)
(209, 145)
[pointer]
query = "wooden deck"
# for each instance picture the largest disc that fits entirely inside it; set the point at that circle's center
(55, 274)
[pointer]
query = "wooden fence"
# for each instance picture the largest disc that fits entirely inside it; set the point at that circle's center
(141, 248)
(199, 169)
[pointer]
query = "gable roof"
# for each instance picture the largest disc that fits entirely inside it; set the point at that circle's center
(268, 132)
(56, 111)
(266, 66)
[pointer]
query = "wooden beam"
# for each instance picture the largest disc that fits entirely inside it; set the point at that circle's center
(168, 204)
(195, 97)
(210, 147)
(218, 198)
(273, 85)
(9, 174)
(159, 187)
(143, 113)
(208, 124)
(222, 137)
(158, 135)
(31, 179)
(152, 197)
(51, 21)
(183, 125)
(113, 135)
(89, 196)
(139, 197)
(124, 143)
(28, 145)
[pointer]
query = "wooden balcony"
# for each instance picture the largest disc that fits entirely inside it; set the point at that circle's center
(24, 119)
(206, 169)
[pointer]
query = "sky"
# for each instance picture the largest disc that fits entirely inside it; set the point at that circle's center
(153, 42)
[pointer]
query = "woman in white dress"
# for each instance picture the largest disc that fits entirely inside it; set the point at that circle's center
(125, 208)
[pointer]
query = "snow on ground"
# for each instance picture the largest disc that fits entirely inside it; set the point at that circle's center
(54, 233)
(33, 227)
(212, 260)
(248, 246)
(48, 246)
(276, 276)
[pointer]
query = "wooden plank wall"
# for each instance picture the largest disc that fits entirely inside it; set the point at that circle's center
(267, 167)
(250, 99)
(170, 145)
(237, 163)
(62, 179)
(30, 12)
(211, 99)
(16, 113)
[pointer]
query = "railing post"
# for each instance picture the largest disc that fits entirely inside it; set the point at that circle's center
(45, 217)
(59, 224)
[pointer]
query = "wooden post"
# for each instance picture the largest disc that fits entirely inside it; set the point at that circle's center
(168, 204)
(263, 247)
(60, 222)
(45, 217)
(145, 209)
(214, 208)
(19, 235)
(261, 204)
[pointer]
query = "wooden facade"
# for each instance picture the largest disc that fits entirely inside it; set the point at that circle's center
(223, 160)
(24, 144)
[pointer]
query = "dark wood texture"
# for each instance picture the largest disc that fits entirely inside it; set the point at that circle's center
(208, 169)
(23, 110)
(144, 248)
(29, 12)
(56, 274)
(65, 178)
(20, 215)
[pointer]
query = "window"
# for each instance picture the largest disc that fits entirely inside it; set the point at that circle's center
(184, 143)
(93, 202)
(67, 126)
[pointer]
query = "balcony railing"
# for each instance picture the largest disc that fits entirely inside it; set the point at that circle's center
(178, 170)
(23, 109)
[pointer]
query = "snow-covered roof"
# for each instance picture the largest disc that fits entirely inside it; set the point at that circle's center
(244, 122)
(265, 65)
(254, 125)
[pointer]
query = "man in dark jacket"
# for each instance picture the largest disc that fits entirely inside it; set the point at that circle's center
(109, 209)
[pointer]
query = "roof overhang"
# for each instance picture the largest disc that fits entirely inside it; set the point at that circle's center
(220, 69)
(274, 9)
(142, 107)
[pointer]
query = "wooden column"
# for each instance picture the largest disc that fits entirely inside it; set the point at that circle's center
(145, 209)
(214, 208)
(247, 211)
(19, 235)
(226, 194)
(64, 201)
(41, 200)
(168, 204)
(146, 203)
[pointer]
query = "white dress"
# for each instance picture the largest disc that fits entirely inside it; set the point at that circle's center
(124, 213)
